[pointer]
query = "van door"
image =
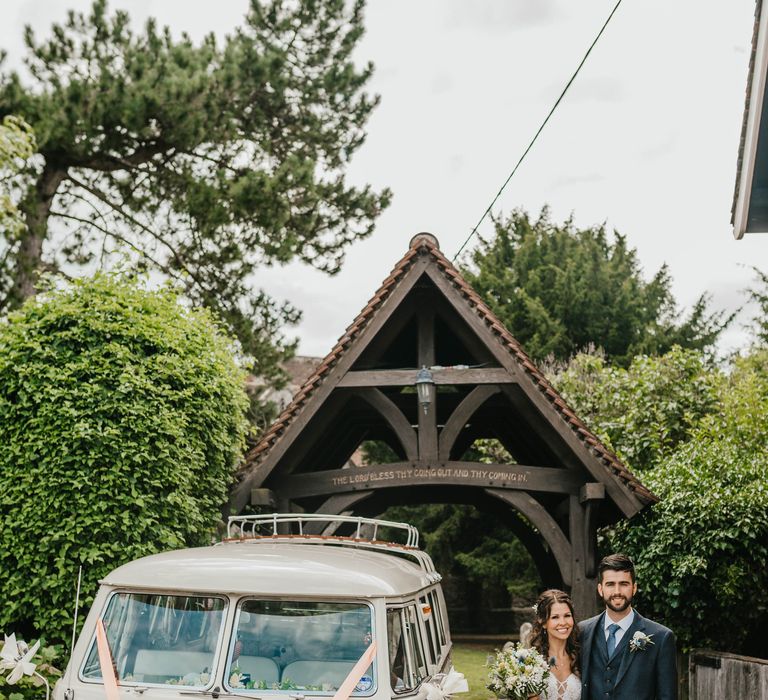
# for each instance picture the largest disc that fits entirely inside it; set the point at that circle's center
(407, 662)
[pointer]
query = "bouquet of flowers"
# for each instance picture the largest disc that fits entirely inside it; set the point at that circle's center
(517, 673)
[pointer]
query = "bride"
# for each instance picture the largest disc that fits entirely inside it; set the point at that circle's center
(556, 636)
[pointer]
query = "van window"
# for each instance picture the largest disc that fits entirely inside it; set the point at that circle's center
(406, 656)
(160, 639)
(299, 645)
(437, 611)
(428, 615)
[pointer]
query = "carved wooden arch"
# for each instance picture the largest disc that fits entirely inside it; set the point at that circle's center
(538, 516)
(394, 417)
(547, 563)
(518, 526)
(461, 414)
(335, 505)
(542, 557)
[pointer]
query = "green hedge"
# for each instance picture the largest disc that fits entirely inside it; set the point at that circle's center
(697, 437)
(702, 552)
(121, 420)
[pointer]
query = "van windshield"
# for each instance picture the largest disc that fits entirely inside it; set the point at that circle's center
(299, 645)
(160, 639)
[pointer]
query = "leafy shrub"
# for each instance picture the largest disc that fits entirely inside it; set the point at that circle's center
(647, 410)
(121, 418)
(702, 552)
(699, 437)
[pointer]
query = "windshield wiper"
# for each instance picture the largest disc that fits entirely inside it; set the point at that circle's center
(216, 693)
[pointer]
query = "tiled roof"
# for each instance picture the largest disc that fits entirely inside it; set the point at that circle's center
(425, 244)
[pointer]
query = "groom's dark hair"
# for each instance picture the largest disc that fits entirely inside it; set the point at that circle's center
(616, 562)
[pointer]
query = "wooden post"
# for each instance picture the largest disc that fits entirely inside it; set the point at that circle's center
(426, 358)
(583, 546)
(583, 587)
(591, 496)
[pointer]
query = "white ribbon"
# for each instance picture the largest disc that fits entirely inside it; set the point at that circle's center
(17, 657)
(443, 685)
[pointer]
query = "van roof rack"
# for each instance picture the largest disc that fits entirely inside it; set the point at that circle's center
(292, 527)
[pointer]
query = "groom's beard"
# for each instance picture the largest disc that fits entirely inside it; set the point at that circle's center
(618, 603)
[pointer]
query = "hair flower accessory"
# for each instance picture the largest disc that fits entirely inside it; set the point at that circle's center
(640, 641)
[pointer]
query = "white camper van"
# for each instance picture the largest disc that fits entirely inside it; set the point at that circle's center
(274, 611)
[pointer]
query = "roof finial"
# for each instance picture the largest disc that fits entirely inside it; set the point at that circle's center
(424, 238)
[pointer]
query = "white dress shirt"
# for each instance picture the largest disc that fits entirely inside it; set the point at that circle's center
(624, 624)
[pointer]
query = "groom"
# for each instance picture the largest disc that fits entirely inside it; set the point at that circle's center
(625, 656)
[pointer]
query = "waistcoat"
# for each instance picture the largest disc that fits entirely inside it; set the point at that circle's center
(602, 670)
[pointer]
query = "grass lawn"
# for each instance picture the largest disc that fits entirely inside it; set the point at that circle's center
(469, 659)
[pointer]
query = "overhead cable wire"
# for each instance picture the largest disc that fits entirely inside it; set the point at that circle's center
(540, 129)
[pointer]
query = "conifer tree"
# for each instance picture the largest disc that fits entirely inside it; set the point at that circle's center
(17, 145)
(203, 161)
(559, 290)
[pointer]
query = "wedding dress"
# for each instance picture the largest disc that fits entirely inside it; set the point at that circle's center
(569, 689)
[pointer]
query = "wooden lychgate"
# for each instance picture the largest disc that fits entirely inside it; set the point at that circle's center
(560, 484)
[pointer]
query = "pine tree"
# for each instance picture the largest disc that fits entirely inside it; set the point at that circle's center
(203, 161)
(17, 145)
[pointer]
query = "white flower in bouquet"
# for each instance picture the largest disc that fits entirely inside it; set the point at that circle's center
(517, 673)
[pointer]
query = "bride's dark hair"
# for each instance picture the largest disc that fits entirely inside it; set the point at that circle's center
(543, 610)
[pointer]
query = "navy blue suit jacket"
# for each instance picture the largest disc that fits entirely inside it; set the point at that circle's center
(647, 674)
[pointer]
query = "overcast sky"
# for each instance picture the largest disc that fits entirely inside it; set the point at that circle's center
(645, 141)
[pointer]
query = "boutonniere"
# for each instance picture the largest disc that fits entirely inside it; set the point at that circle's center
(640, 641)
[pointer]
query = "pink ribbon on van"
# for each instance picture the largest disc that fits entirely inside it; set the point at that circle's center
(348, 686)
(105, 661)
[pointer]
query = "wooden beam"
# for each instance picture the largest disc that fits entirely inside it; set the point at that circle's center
(263, 497)
(619, 492)
(394, 417)
(538, 516)
(461, 414)
(627, 502)
(592, 492)
(426, 338)
(474, 345)
(447, 473)
(256, 477)
(475, 323)
(442, 375)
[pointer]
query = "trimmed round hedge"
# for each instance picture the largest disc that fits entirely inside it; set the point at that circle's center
(121, 422)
